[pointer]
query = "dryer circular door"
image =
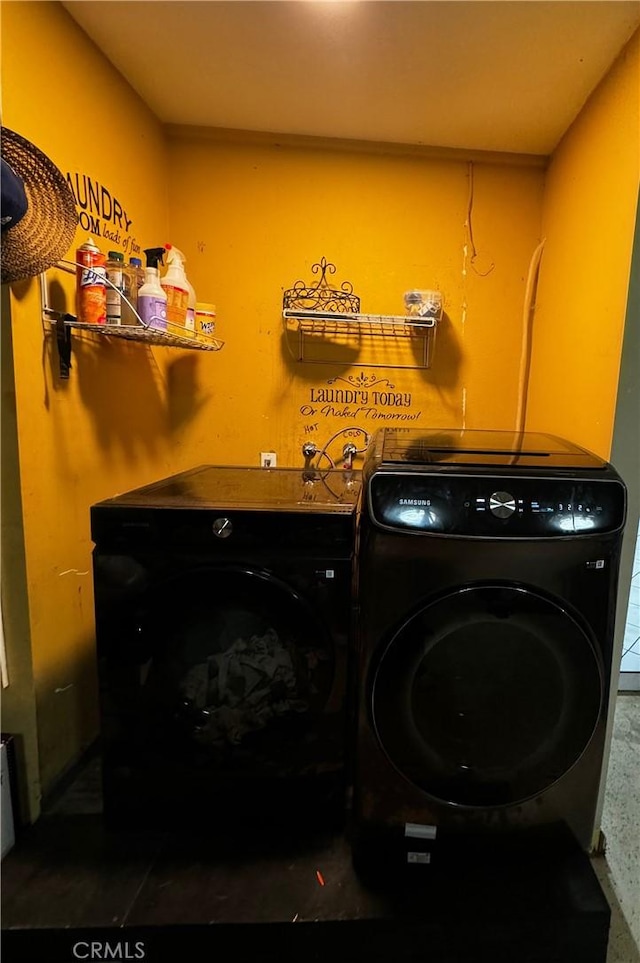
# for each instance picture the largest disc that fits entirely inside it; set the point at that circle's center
(236, 669)
(487, 695)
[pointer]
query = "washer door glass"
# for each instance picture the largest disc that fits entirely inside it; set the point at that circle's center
(487, 696)
(237, 670)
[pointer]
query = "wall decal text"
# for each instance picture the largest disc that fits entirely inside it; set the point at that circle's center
(365, 396)
(101, 214)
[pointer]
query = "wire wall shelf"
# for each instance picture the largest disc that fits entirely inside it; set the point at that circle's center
(319, 316)
(309, 332)
(134, 332)
(175, 336)
(375, 325)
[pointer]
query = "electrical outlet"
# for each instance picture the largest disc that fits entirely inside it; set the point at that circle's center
(268, 459)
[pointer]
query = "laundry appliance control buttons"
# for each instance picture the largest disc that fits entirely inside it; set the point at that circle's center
(502, 504)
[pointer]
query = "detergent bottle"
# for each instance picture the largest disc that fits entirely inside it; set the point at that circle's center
(133, 278)
(152, 299)
(115, 276)
(180, 294)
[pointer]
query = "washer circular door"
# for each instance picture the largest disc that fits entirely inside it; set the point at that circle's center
(236, 668)
(487, 695)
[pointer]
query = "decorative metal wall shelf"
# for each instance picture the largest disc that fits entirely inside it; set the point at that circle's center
(316, 314)
(320, 296)
(173, 337)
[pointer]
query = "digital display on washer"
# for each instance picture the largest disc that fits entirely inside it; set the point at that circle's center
(496, 506)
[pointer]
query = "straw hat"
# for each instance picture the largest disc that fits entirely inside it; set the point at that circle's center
(39, 215)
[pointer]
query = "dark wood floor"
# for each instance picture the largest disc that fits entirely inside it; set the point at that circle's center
(181, 894)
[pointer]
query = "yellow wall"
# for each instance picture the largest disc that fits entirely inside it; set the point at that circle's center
(18, 698)
(588, 221)
(105, 429)
(252, 218)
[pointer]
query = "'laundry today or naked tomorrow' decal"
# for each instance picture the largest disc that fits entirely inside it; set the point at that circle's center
(360, 396)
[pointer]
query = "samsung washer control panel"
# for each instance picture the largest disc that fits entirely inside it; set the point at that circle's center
(495, 506)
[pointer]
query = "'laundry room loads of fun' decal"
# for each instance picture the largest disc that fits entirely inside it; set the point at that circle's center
(360, 396)
(101, 214)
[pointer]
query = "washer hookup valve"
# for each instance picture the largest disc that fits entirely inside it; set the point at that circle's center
(309, 451)
(349, 452)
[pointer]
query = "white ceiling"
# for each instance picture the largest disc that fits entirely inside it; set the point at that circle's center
(505, 75)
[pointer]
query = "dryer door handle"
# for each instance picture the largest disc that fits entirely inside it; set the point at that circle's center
(222, 527)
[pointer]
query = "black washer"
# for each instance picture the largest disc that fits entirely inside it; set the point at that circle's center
(487, 575)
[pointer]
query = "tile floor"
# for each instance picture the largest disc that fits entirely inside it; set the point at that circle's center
(631, 645)
(619, 869)
(67, 874)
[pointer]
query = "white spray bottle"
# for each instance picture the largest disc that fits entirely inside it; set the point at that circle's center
(181, 297)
